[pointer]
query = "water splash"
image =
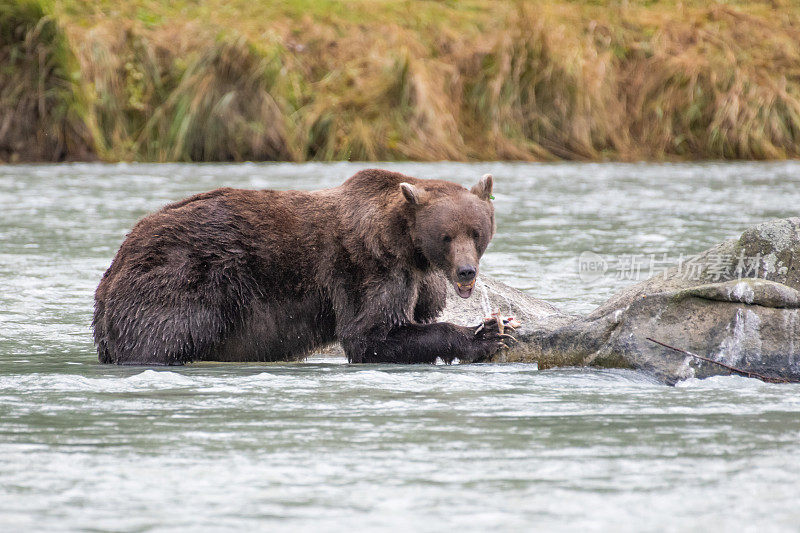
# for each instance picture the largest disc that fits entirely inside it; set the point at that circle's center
(485, 303)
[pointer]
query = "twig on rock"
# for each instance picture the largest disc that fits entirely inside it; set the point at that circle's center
(746, 373)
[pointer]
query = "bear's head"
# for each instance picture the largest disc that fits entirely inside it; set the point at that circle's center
(452, 227)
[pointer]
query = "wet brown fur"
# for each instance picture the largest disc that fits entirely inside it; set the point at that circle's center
(241, 275)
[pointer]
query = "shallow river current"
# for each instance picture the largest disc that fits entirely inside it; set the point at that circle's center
(326, 446)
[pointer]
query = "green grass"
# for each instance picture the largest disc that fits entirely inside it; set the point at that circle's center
(41, 107)
(400, 79)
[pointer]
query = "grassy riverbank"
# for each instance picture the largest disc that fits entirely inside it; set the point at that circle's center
(227, 80)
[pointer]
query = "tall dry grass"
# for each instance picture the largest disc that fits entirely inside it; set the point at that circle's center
(40, 104)
(527, 81)
(182, 95)
(705, 84)
(719, 84)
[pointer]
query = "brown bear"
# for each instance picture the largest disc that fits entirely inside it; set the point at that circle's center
(241, 275)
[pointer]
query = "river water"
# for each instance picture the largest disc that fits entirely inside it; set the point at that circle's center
(325, 446)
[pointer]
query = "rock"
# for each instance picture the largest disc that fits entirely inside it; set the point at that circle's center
(538, 319)
(737, 303)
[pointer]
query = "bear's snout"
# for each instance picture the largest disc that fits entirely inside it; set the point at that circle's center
(466, 273)
(465, 283)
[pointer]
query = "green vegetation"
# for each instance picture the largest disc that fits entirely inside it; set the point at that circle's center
(40, 106)
(237, 80)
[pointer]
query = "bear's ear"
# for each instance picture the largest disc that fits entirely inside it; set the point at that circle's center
(483, 189)
(413, 195)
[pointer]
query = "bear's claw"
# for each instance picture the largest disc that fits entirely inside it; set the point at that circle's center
(491, 333)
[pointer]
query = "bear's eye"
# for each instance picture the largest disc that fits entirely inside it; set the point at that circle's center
(476, 235)
(446, 238)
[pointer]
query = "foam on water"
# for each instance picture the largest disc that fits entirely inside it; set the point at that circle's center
(725, 382)
(149, 379)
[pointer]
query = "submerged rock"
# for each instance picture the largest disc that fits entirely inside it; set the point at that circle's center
(736, 303)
